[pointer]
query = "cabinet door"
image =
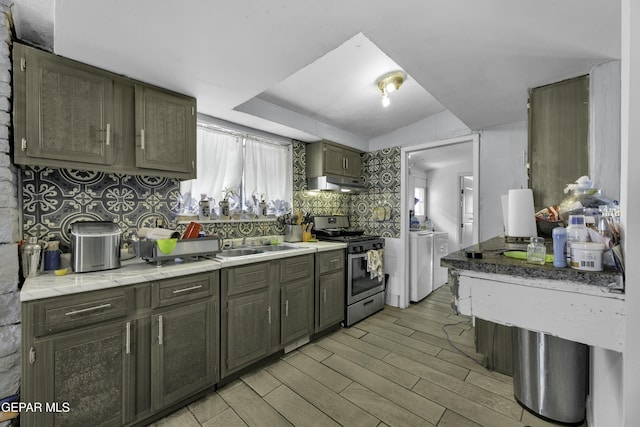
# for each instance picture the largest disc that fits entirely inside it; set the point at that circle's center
(558, 138)
(334, 160)
(183, 357)
(352, 164)
(331, 294)
(87, 373)
(247, 333)
(296, 310)
(69, 111)
(165, 130)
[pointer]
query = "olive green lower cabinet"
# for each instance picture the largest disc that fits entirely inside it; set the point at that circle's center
(118, 356)
(330, 289)
(267, 306)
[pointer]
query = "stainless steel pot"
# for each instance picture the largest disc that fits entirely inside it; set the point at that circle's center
(95, 246)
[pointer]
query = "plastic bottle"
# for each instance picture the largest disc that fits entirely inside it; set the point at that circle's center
(559, 235)
(576, 232)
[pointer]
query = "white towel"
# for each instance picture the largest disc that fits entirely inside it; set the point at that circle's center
(375, 264)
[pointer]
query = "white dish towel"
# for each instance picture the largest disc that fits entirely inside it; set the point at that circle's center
(375, 264)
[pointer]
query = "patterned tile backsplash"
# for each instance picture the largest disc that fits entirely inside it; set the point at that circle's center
(54, 198)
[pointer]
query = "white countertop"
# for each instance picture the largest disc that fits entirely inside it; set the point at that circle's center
(137, 270)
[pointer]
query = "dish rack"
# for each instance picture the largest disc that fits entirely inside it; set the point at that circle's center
(160, 251)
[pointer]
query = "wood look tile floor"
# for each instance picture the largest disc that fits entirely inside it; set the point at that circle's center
(395, 368)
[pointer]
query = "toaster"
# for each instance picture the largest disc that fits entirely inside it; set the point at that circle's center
(95, 246)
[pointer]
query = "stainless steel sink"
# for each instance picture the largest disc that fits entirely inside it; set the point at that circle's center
(274, 248)
(231, 253)
(236, 252)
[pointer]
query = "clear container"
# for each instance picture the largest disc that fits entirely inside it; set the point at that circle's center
(536, 251)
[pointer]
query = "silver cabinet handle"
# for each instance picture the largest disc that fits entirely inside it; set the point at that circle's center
(128, 340)
(333, 261)
(191, 288)
(346, 160)
(108, 134)
(324, 292)
(142, 139)
(86, 310)
(269, 314)
(286, 308)
(160, 329)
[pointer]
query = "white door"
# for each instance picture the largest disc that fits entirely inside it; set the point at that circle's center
(466, 210)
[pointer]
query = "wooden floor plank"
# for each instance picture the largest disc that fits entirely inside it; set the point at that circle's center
(429, 362)
(359, 345)
(314, 351)
(410, 342)
(397, 394)
(467, 408)
(250, 406)
(491, 384)
(261, 381)
(319, 372)
(451, 419)
(501, 404)
(383, 369)
(298, 411)
(180, 418)
(383, 409)
(228, 418)
(391, 326)
(329, 402)
(208, 407)
(465, 362)
(442, 343)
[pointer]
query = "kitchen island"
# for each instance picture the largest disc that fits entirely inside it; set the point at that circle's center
(581, 306)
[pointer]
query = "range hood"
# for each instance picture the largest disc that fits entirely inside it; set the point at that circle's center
(335, 183)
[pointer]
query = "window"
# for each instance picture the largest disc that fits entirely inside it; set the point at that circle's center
(419, 194)
(251, 167)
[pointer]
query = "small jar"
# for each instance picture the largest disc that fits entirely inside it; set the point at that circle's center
(536, 251)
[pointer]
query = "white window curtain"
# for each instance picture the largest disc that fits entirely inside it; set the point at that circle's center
(251, 167)
(219, 167)
(268, 173)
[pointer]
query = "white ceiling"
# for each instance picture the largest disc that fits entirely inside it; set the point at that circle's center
(307, 69)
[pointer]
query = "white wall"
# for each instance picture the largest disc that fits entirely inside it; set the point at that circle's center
(502, 167)
(630, 203)
(443, 199)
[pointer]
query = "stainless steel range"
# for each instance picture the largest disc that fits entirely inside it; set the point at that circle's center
(364, 291)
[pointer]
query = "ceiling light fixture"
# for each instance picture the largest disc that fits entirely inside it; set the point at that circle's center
(390, 82)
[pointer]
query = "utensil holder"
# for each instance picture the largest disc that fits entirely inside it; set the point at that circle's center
(292, 233)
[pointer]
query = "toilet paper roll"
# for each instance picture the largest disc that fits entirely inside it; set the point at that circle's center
(521, 220)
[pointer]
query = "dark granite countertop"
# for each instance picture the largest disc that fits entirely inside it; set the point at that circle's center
(493, 261)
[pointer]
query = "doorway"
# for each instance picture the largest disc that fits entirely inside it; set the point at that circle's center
(442, 206)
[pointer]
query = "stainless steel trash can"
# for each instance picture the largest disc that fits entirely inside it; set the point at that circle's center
(550, 375)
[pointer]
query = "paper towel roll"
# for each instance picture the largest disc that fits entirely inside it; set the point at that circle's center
(521, 220)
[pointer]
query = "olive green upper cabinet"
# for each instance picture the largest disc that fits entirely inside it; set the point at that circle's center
(67, 114)
(329, 158)
(69, 109)
(165, 130)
